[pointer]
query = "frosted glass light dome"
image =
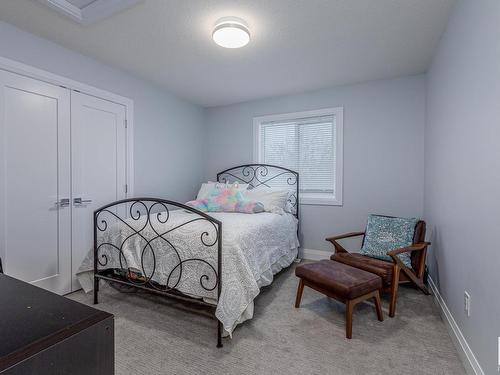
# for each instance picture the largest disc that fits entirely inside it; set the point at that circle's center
(231, 32)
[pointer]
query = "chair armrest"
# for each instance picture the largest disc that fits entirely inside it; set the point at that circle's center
(346, 235)
(338, 247)
(409, 249)
(415, 275)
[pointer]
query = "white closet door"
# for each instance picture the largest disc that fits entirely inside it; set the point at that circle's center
(35, 239)
(98, 149)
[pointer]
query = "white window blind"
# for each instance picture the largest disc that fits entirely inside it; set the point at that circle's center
(306, 145)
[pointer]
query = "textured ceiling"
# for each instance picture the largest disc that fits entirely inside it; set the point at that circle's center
(296, 45)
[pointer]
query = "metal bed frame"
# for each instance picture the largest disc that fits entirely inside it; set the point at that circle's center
(150, 213)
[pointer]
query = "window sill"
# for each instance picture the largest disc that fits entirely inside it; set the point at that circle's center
(320, 200)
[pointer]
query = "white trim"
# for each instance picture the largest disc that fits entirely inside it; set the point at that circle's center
(311, 254)
(300, 114)
(468, 358)
(319, 199)
(338, 112)
(339, 157)
(130, 177)
(43, 75)
(66, 8)
(95, 11)
(54, 79)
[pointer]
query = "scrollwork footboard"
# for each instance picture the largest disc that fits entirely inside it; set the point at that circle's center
(161, 246)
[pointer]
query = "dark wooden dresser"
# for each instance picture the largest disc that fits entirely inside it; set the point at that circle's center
(43, 333)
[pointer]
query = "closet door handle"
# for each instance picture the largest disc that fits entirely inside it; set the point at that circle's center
(80, 201)
(63, 202)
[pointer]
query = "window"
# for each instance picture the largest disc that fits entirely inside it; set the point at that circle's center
(307, 142)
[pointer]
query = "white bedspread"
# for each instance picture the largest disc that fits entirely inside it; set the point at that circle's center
(254, 248)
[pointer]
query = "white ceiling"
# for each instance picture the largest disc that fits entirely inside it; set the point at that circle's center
(296, 45)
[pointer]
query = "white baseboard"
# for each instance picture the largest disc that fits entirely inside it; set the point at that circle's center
(311, 254)
(468, 358)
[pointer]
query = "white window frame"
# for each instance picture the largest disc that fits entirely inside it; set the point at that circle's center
(310, 198)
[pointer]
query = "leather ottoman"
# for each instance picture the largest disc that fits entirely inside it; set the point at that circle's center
(342, 282)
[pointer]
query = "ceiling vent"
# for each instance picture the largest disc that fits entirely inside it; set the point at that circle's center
(87, 12)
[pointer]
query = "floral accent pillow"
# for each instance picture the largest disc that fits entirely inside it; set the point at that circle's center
(227, 199)
(384, 233)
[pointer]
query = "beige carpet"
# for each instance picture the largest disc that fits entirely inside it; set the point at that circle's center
(159, 336)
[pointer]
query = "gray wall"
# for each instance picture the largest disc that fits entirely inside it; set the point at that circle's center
(462, 172)
(383, 159)
(383, 144)
(164, 124)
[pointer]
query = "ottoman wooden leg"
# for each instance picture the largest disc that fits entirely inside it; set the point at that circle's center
(300, 289)
(394, 291)
(348, 319)
(378, 306)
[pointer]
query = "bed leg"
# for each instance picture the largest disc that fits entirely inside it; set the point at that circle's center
(96, 290)
(219, 334)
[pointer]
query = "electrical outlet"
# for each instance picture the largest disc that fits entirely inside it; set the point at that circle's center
(467, 303)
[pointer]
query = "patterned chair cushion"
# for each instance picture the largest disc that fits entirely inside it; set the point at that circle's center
(384, 233)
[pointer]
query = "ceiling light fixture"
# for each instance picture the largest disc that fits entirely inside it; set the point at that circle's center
(231, 32)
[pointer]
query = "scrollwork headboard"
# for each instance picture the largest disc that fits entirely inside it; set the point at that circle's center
(271, 176)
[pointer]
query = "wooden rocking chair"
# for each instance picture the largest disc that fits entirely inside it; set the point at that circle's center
(392, 273)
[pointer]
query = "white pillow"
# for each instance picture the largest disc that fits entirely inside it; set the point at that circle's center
(207, 187)
(274, 200)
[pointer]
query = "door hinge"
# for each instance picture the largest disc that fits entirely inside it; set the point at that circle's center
(126, 124)
(126, 188)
